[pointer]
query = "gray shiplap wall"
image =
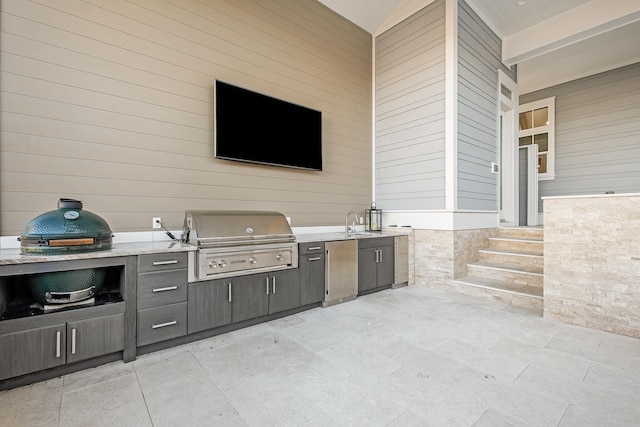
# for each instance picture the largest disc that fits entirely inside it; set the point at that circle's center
(597, 134)
(111, 102)
(479, 58)
(410, 104)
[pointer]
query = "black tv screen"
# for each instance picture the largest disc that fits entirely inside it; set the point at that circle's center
(256, 128)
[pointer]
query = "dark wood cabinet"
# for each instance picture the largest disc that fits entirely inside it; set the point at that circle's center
(94, 337)
(45, 347)
(38, 343)
(209, 304)
(375, 264)
(161, 297)
(249, 297)
(312, 272)
(285, 291)
(262, 294)
(219, 302)
(32, 350)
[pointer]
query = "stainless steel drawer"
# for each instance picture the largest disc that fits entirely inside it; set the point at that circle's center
(163, 287)
(162, 261)
(162, 323)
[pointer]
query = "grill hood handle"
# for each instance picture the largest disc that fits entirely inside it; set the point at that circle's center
(69, 204)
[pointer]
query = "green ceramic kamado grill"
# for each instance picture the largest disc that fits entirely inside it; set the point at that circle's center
(65, 231)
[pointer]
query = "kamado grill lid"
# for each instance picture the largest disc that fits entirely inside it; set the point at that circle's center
(69, 229)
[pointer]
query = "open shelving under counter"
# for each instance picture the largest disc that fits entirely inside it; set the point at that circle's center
(41, 339)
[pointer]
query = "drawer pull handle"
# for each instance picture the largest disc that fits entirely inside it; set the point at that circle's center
(173, 261)
(73, 341)
(164, 325)
(315, 258)
(168, 288)
(315, 248)
(57, 343)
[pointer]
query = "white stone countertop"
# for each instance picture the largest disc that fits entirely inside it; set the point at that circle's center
(13, 256)
(341, 235)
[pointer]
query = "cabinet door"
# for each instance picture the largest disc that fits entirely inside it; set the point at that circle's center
(311, 278)
(95, 337)
(385, 271)
(367, 269)
(285, 291)
(249, 297)
(209, 304)
(32, 350)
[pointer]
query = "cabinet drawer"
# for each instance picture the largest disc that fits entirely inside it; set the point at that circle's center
(312, 258)
(310, 248)
(163, 287)
(162, 323)
(163, 261)
(375, 242)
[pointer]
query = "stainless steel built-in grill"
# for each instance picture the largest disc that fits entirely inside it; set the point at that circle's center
(238, 242)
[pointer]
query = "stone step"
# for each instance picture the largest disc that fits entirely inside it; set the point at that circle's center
(506, 256)
(518, 275)
(534, 233)
(525, 245)
(519, 295)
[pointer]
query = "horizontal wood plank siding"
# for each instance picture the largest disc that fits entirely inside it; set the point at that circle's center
(597, 134)
(479, 58)
(410, 128)
(111, 102)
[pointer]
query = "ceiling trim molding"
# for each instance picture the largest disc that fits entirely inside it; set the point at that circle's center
(580, 23)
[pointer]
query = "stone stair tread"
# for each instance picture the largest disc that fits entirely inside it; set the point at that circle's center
(499, 285)
(510, 267)
(516, 239)
(511, 252)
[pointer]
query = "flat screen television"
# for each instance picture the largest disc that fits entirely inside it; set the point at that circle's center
(256, 128)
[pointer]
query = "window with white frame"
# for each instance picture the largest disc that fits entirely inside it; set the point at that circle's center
(537, 126)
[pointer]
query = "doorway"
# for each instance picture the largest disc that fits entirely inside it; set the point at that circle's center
(508, 154)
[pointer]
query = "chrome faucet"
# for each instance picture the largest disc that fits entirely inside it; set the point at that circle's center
(350, 229)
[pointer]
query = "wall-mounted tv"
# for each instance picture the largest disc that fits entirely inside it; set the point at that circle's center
(256, 128)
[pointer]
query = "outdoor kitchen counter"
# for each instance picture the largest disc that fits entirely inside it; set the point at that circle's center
(334, 236)
(13, 256)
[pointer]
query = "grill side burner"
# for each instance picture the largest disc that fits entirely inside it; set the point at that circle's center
(233, 243)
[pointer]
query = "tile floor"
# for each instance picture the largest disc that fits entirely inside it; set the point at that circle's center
(407, 357)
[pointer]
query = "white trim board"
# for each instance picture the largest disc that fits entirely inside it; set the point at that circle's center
(441, 220)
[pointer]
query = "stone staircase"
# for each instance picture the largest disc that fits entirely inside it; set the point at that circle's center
(511, 269)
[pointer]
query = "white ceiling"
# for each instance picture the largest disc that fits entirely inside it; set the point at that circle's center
(552, 41)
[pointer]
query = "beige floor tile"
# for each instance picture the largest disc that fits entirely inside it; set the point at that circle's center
(413, 356)
(33, 405)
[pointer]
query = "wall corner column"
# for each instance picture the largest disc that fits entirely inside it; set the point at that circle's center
(451, 105)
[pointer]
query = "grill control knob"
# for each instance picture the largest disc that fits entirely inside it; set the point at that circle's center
(222, 263)
(253, 260)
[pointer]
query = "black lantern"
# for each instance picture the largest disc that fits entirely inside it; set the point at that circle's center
(373, 218)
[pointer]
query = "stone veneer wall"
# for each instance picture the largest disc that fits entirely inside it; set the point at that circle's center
(591, 264)
(443, 255)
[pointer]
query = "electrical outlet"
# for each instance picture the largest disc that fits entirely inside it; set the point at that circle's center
(156, 221)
